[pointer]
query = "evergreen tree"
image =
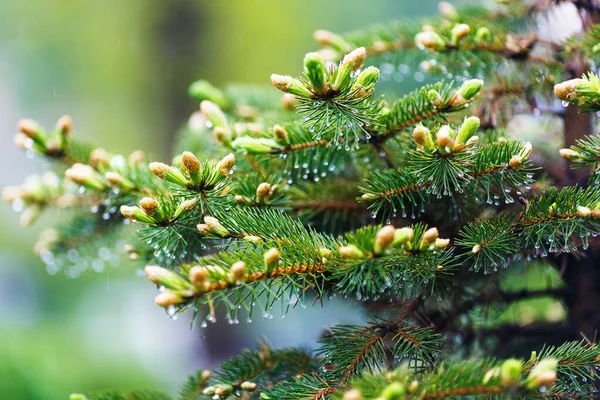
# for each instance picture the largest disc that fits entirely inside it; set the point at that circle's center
(415, 206)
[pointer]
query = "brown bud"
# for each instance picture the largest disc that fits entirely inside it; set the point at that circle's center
(516, 162)
(190, 162)
(272, 256)
(167, 298)
(226, 164)
(148, 205)
(263, 190)
(198, 276)
(65, 125)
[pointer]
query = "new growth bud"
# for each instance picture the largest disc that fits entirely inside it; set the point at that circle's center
(327, 38)
(444, 137)
(447, 10)
(264, 191)
(190, 162)
(163, 277)
(290, 85)
(237, 272)
(403, 236)
(280, 134)
(352, 394)
(470, 88)
(567, 90)
(516, 162)
(199, 277)
(383, 239)
(459, 32)
(213, 225)
(213, 113)
(314, 69)
(86, 176)
(393, 391)
(510, 371)
(350, 63)
(467, 130)
(170, 174)
(351, 252)
(204, 90)
(272, 257)
(430, 40)
(167, 299)
(422, 137)
(149, 205)
(569, 154)
(255, 145)
(226, 164)
(33, 130)
(429, 237)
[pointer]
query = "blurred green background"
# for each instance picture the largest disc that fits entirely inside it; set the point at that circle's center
(121, 69)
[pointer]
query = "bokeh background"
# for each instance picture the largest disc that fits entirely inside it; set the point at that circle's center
(121, 70)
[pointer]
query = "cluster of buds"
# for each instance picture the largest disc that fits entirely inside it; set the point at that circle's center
(591, 212)
(569, 90)
(447, 140)
(460, 98)
(224, 390)
(214, 117)
(202, 277)
(32, 136)
(389, 238)
(191, 174)
(150, 211)
(321, 82)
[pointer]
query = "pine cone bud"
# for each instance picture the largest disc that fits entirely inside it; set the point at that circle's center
(413, 387)
(98, 158)
(430, 40)
(214, 226)
(290, 85)
(470, 88)
(422, 137)
(190, 162)
(444, 137)
(204, 90)
(393, 391)
(516, 162)
(199, 276)
(368, 77)
(483, 34)
(288, 101)
(136, 157)
(567, 90)
(166, 278)
(429, 236)
(255, 145)
(86, 176)
(226, 164)
(315, 71)
(584, 212)
(213, 113)
(118, 180)
(542, 374)
(22, 141)
(526, 151)
(238, 271)
(351, 252)
(65, 126)
(447, 10)
(352, 394)
(459, 32)
(148, 205)
(435, 98)
(170, 174)
(441, 243)
(32, 130)
(403, 236)
(167, 299)
(569, 154)
(384, 238)
(355, 59)
(510, 371)
(280, 134)
(327, 38)
(272, 256)
(248, 386)
(467, 130)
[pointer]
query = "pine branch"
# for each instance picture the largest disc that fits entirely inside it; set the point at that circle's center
(352, 349)
(121, 395)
